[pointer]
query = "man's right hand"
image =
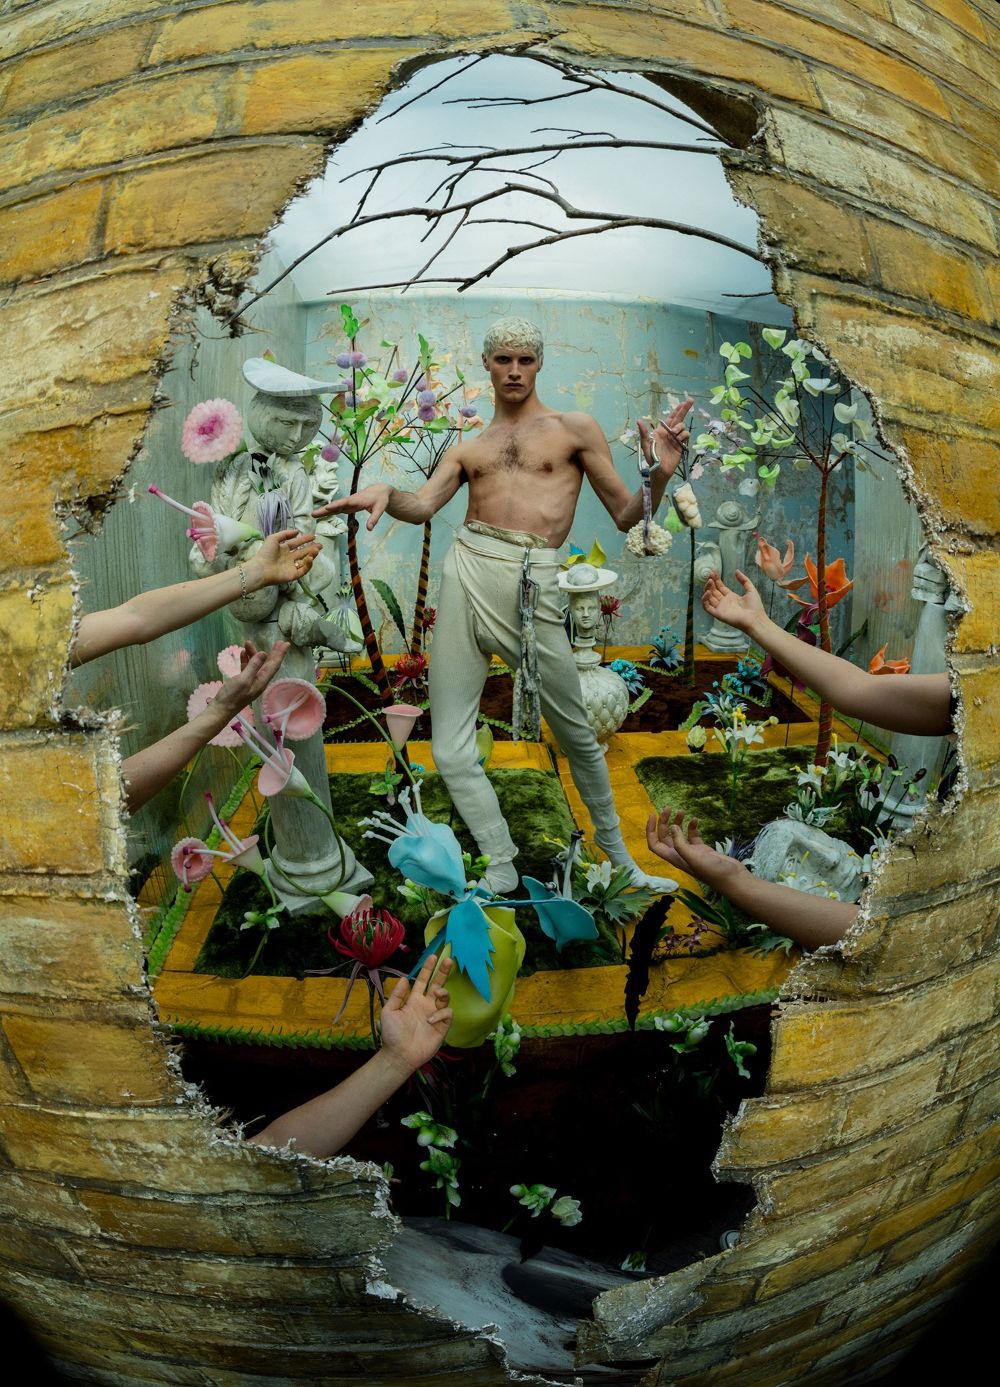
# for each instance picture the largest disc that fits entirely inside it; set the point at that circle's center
(723, 604)
(373, 499)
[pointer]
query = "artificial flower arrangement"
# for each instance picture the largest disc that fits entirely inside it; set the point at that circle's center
(381, 407)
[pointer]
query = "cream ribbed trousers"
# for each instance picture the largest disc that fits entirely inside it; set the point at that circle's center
(477, 616)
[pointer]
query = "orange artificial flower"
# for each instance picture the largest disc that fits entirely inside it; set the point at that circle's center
(880, 665)
(769, 559)
(838, 584)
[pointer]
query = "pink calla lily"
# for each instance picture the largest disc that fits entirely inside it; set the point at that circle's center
(211, 531)
(243, 852)
(191, 860)
(294, 708)
(230, 661)
(399, 719)
(205, 694)
(277, 773)
(344, 903)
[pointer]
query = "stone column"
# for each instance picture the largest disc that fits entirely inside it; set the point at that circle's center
(930, 587)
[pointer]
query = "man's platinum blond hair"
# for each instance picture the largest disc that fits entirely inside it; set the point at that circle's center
(514, 332)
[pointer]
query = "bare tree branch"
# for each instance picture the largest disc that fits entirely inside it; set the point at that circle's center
(584, 81)
(442, 247)
(462, 161)
(427, 90)
(444, 153)
(605, 221)
(572, 131)
(611, 225)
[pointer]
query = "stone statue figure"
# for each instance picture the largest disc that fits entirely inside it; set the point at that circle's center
(733, 524)
(605, 694)
(930, 587)
(803, 856)
(271, 490)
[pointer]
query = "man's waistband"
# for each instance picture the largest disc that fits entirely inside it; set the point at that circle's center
(506, 548)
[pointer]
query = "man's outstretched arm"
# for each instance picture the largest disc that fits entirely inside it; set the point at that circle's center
(413, 506)
(668, 438)
(918, 703)
(811, 921)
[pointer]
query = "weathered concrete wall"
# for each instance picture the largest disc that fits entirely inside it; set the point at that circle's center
(149, 145)
(615, 359)
(141, 545)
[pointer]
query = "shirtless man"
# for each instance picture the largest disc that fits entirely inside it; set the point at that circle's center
(524, 473)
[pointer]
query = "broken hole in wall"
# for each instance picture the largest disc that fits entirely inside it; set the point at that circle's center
(635, 315)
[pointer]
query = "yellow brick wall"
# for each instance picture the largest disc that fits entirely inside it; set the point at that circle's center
(144, 142)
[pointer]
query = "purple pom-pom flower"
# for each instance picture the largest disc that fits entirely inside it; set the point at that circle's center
(344, 360)
(426, 397)
(426, 413)
(330, 453)
(468, 411)
(356, 359)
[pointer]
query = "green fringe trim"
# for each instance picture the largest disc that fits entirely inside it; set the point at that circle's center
(716, 1006)
(640, 699)
(249, 1035)
(323, 1040)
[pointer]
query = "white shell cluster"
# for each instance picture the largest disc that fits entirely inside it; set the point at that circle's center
(660, 540)
(686, 505)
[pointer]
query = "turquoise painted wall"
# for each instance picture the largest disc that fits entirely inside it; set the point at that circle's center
(141, 545)
(615, 360)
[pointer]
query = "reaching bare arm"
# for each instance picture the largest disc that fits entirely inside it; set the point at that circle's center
(918, 703)
(149, 770)
(624, 506)
(415, 1022)
(282, 558)
(810, 920)
(412, 506)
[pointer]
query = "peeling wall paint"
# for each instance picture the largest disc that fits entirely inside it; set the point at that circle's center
(610, 358)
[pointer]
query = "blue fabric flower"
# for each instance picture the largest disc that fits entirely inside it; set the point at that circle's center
(563, 920)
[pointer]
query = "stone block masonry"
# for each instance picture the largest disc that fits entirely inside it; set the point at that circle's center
(144, 143)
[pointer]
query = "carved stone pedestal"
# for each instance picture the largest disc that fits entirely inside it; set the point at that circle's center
(605, 696)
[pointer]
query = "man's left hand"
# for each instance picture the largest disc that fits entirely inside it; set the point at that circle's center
(669, 438)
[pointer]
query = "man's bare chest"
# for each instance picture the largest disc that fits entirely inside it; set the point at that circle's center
(513, 454)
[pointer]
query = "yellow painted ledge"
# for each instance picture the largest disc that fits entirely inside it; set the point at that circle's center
(564, 997)
(585, 996)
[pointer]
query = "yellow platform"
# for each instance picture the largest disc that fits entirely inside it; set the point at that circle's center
(574, 999)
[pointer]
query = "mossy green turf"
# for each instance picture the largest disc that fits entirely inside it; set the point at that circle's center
(699, 784)
(533, 804)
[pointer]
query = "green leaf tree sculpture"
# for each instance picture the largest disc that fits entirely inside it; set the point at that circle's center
(804, 415)
(376, 408)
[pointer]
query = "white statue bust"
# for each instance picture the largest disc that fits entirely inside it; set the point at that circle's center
(808, 859)
(583, 584)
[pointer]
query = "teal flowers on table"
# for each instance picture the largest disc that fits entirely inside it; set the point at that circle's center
(630, 675)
